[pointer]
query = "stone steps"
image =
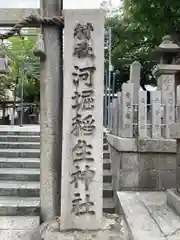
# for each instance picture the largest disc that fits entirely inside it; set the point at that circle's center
(20, 163)
(19, 138)
(19, 145)
(20, 188)
(20, 172)
(19, 206)
(108, 205)
(19, 133)
(19, 153)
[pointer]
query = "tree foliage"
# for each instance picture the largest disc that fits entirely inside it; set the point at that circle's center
(24, 67)
(137, 27)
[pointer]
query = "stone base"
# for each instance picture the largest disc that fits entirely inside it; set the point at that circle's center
(112, 230)
(173, 200)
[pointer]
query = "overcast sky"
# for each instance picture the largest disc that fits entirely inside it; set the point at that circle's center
(67, 3)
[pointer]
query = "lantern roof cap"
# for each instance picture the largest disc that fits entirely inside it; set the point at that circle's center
(167, 46)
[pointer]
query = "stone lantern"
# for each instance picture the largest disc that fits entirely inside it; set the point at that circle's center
(165, 72)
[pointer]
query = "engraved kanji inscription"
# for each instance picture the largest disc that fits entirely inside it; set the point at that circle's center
(85, 176)
(76, 176)
(82, 151)
(83, 208)
(83, 41)
(83, 74)
(85, 101)
(83, 126)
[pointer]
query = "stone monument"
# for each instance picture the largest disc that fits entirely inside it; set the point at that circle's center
(82, 152)
(82, 155)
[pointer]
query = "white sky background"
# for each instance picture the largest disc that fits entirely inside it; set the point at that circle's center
(71, 4)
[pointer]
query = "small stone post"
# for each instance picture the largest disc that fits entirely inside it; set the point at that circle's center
(82, 156)
(135, 74)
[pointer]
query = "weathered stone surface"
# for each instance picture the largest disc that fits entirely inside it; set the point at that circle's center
(142, 115)
(112, 229)
(14, 15)
(130, 161)
(81, 195)
(127, 109)
(122, 144)
(152, 161)
(140, 223)
(166, 162)
(173, 200)
(129, 179)
(156, 114)
(145, 145)
(17, 234)
(149, 180)
(135, 72)
(148, 161)
(155, 219)
(20, 222)
(167, 179)
(153, 145)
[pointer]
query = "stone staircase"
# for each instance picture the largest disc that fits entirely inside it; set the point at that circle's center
(20, 175)
(107, 180)
(19, 184)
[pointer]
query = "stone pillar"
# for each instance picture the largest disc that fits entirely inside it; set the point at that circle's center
(51, 116)
(82, 177)
(135, 75)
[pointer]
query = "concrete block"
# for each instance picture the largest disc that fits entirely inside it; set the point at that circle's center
(149, 180)
(129, 161)
(167, 162)
(140, 223)
(122, 144)
(167, 179)
(160, 146)
(148, 161)
(173, 200)
(175, 130)
(129, 179)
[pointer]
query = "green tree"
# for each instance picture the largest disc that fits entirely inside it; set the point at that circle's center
(24, 67)
(137, 28)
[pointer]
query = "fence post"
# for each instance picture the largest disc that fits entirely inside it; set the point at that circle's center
(169, 111)
(156, 114)
(115, 115)
(135, 73)
(142, 115)
(178, 103)
(127, 109)
(110, 116)
(119, 105)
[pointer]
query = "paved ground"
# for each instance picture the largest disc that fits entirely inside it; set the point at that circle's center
(149, 217)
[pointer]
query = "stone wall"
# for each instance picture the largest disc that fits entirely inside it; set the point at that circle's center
(142, 164)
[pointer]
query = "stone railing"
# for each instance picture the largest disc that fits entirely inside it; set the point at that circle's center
(142, 120)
